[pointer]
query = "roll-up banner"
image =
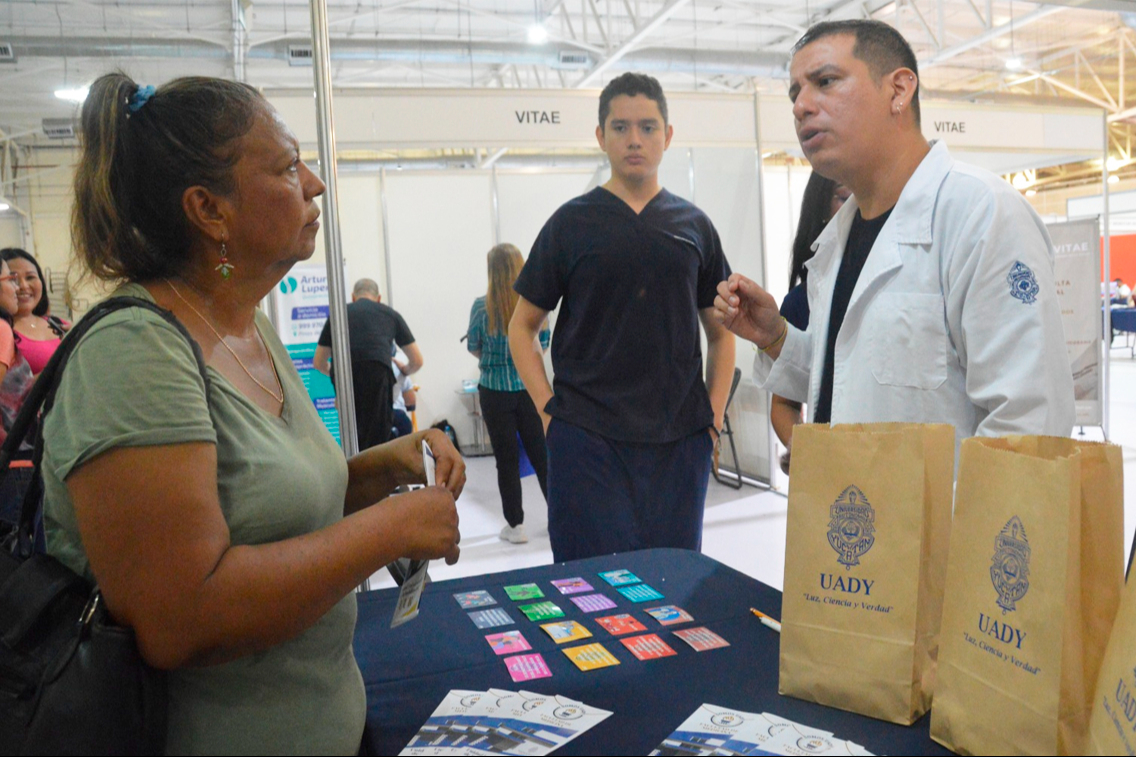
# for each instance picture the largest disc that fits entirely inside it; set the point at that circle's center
(301, 312)
(1077, 271)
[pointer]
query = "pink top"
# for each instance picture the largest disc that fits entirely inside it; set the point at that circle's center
(7, 345)
(37, 351)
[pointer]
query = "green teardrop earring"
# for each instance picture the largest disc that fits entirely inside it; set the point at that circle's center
(225, 267)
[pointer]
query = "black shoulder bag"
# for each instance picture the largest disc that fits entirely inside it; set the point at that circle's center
(71, 681)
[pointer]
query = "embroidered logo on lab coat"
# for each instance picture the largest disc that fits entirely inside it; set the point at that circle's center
(1023, 284)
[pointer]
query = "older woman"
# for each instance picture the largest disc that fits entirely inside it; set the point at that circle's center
(224, 527)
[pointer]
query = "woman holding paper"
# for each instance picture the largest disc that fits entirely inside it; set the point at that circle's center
(221, 523)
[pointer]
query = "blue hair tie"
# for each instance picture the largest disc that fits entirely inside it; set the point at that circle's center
(140, 97)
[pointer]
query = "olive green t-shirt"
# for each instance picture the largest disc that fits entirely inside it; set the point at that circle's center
(133, 381)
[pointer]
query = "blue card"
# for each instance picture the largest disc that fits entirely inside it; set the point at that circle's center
(470, 599)
(639, 593)
(620, 577)
(490, 618)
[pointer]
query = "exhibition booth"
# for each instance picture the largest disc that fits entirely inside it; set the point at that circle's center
(429, 180)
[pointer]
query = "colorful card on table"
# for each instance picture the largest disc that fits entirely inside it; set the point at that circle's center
(526, 667)
(470, 599)
(620, 624)
(509, 642)
(701, 639)
(590, 657)
(620, 577)
(668, 615)
(564, 631)
(593, 602)
(490, 618)
(639, 593)
(524, 591)
(572, 585)
(541, 611)
(648, 647)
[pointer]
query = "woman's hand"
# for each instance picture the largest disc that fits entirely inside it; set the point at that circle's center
(430, 523)
(375, 473)
(449, 467)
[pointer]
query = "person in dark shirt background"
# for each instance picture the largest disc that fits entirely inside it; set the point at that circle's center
(373, 329)
(823, 197)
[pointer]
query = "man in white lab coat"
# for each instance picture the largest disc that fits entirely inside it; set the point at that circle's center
(932, 292)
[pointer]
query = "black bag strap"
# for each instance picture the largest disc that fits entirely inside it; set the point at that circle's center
(42, 396)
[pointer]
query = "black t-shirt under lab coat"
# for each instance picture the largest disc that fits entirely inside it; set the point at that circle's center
(626, 351)
(860, 240)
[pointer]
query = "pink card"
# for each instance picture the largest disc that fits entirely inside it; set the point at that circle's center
(509, 642)
(526, 667)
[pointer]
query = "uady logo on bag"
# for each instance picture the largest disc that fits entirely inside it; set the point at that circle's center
(1009, 570)
(850, 529)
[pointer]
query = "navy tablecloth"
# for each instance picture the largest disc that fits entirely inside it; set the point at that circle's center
(1124, 319)
(408, 670)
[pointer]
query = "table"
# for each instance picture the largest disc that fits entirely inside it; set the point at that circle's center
(1124, 319)
(408, 670)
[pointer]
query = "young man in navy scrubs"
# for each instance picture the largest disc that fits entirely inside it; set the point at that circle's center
(631, 423)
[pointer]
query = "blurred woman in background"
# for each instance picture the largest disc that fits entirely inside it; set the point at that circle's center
(823, 198)
(15, 381)
(505, 405)
(41, 331)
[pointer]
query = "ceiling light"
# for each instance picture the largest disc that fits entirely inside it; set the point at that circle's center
(1020, 181)
(1114, 179)
(538, 35)
(1031, 192)
(1014, 64)
(4, 206)
(1114, 164)
(76, 95)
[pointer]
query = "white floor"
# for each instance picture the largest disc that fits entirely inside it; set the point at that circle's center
(744, 529)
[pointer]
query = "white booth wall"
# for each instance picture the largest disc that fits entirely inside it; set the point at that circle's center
(441, 224)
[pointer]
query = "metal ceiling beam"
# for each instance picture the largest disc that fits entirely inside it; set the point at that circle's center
(1010, 26)
(660, 18)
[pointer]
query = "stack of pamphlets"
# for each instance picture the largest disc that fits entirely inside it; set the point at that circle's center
(714, 730)
(497, 722)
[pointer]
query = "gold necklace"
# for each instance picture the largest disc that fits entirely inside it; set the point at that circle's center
(217, 334)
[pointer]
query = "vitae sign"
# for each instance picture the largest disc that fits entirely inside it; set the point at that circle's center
(950, 127)
(537, 116)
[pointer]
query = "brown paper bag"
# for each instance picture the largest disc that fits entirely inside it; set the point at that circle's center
(1112, 727)
(1033, 583)
(865, 559)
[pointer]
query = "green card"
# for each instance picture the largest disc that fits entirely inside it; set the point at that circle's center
(541, 611)
(524, 591)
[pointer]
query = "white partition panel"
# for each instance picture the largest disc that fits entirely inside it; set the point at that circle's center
(726, 188)
(526, 200)
(440, 229)
(361, 220)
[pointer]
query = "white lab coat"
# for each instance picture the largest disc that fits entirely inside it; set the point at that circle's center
(933, 332)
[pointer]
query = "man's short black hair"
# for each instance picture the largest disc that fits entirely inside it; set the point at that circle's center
(879, 45)
(632, 84)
